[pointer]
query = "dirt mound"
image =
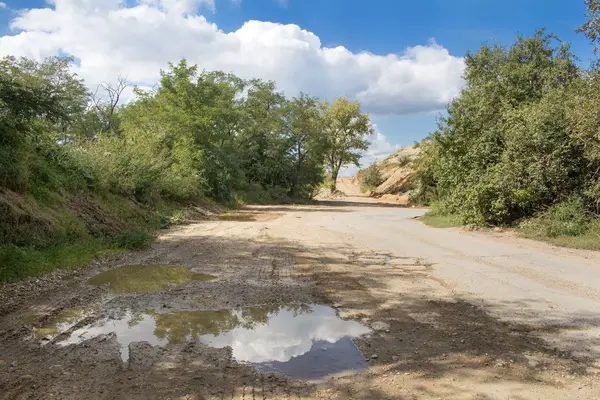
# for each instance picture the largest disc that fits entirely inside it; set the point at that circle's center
(397, 171)
(327, 194)
(403, 199)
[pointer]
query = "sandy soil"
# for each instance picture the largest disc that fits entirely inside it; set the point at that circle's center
(456, 315)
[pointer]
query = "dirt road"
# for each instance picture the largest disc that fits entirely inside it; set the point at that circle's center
(448, 314)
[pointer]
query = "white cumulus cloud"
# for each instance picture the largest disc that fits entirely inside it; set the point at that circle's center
(179, 6)
(112, 37)
(286, 335)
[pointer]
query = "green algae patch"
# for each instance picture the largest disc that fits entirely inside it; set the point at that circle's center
(61, 322)
(29, 319)
(148, 278)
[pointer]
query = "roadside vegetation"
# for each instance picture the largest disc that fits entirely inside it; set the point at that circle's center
(83, 173)
(370, 178)
(521, 145)
(438, 219)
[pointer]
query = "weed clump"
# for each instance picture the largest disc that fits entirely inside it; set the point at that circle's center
(370, 178)
(133, 239)
(565, 224)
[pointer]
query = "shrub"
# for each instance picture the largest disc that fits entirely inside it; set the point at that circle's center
(567, 218)
(506, 152)
(254, 193)
(403, 160)
(370, 178)
(133, 239)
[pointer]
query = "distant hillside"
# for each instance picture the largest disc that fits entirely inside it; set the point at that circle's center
(395, 175)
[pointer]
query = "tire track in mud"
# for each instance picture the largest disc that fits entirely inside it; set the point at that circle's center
(273, 265)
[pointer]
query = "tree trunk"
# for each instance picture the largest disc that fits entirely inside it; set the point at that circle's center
(297, 171)
(294, 183)
(335, 171)
(334, 175)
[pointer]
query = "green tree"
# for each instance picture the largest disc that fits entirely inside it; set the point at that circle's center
(582, 113)
(504, 151)
(193, 116)
(591, 28)
(39, 103)
(305, 130)
(346, 130)
(211, 133)
(263, 148)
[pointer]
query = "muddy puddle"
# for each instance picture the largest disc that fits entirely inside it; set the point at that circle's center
(147, 278)
(60, 323)
(237, 217)
(299, 341)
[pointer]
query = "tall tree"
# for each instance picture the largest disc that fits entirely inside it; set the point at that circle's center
(106, 103)
(264, 151)
(38, 104)
(591, 29)
(346, 130)
(304, 124)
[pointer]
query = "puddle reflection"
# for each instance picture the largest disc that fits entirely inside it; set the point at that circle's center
(300, 341)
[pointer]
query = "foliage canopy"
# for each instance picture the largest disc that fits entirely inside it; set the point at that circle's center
(522, 136)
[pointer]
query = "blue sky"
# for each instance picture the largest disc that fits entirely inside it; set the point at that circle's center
(389, 26)
(379, 27)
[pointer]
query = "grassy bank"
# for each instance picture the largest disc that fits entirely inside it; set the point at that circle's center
(67, 230)
(565, 224)
(587, 241)
(48, 229)
(22, 262)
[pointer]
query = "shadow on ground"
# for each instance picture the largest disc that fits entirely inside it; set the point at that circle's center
(325, 206)
(436, 343)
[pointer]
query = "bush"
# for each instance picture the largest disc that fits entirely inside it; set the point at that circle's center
(370, 178)
(133, 239)
(568, 218)
(522, 134)
(403, 160)
(254, 193)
